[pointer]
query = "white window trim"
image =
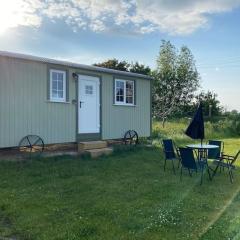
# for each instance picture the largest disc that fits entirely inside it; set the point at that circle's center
(54, 99)
(124, 93)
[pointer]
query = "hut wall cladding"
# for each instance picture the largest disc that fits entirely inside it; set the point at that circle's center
(24, 108)
(116, 120)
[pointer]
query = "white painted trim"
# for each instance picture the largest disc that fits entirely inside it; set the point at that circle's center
(53, 99)
(118, 103)
(125, 105)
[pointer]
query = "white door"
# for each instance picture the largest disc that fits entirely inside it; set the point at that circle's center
(88, 104)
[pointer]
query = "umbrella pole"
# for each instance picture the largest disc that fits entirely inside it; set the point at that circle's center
(202, 151)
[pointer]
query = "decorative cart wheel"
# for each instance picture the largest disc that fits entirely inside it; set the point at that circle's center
(31, 145)
(131, 137)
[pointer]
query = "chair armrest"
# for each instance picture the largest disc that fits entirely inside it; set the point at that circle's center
(228, 156)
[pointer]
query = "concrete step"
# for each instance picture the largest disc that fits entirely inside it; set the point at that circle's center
(99, 152)
(82, 146)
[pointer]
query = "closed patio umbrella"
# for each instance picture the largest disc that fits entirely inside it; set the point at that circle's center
(195, 129)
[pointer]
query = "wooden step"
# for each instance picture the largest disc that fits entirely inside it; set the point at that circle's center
(82, 146)
(114, 142)
(99, 152)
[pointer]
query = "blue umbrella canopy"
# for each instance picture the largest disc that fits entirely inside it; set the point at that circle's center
(195, 129)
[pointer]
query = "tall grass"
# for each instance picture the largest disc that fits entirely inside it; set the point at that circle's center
(213, 130)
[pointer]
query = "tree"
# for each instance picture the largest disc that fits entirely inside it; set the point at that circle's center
(114, 64)
(211, 105)
(125, 66)
(140, 68)
(175, 80)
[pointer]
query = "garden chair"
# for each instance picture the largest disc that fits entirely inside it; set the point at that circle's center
(216, 152)
(170, 152)
(227, 162)
(188, 162)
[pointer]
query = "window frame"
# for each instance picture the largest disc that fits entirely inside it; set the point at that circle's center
(124, 103)
(64, 98)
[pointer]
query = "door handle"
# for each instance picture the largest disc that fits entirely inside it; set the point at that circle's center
(80, 104)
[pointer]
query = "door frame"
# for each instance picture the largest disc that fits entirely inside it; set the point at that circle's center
(88, 136)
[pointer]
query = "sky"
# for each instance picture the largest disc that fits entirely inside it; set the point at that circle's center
(91, 31)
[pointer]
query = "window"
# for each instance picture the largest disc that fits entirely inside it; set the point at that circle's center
(119, 91)
(57, 85)
(88, 89)
(124, 92)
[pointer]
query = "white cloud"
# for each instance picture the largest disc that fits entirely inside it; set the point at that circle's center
(141, 16)
(15, 13)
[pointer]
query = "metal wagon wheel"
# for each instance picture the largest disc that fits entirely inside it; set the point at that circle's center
(131, 137)
(31, 146)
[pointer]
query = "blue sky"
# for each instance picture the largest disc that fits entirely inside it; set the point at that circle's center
(89, 31)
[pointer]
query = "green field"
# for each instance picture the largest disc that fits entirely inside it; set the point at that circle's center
(123, 196)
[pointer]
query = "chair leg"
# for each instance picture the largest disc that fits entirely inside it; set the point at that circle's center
(216, 169)
(178, 163)
(202, 168)
(209, 174)
(173, 167)
(181, 174)
(190, 174)
(230, 174)
(165, 165)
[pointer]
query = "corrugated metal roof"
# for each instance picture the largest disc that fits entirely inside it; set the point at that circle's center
(71, 64)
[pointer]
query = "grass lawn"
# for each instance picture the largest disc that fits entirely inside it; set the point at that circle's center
(124, 196)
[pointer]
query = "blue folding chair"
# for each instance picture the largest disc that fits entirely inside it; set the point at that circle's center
(170, 153)
(215, 153)
(227, 161)
(188, 162)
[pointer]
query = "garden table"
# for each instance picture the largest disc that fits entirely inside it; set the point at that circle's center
(202, 154)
